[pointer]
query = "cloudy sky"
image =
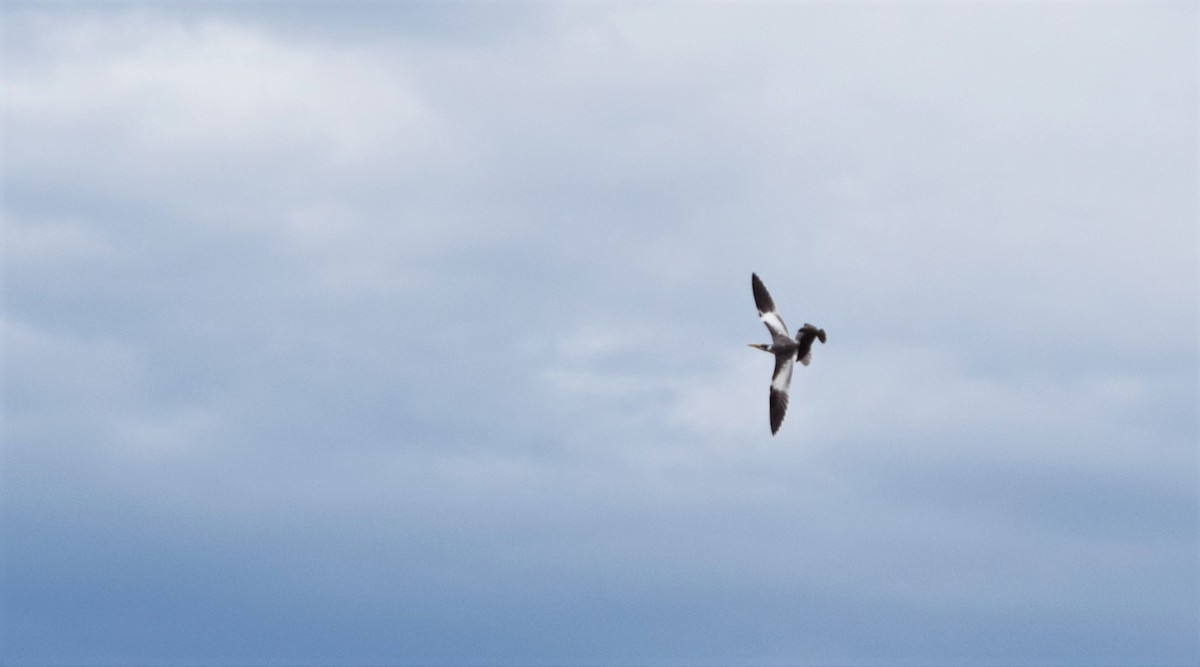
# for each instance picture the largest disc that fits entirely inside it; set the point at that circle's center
(415, 333)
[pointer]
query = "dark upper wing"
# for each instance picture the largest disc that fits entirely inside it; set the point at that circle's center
(804, 351)
(805, 338)
(784, 363)
(762, 298)
(779, 400)
(766, 311)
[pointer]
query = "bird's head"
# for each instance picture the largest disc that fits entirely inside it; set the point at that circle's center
(760, 346)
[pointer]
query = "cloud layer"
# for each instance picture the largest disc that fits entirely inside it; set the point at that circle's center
(415, 334)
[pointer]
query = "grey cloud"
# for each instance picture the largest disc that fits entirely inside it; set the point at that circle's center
(420, 341)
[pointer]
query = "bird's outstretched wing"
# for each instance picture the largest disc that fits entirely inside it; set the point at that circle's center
(780, 381)
(766, 311)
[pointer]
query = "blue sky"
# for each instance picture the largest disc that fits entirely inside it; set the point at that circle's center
(415, 334)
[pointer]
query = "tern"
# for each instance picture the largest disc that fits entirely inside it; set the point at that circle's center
(786, 350)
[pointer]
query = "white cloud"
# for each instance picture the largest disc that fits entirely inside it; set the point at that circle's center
(217, 123)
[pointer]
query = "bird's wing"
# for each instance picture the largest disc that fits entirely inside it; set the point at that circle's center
(780, 382)
(805, 338)
(804, 350)
(766, 311)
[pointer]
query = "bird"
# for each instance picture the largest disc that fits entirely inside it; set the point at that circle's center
(786, 350)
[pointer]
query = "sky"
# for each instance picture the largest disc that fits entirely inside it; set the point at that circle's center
(415, 334)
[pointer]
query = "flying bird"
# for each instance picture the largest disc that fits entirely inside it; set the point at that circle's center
(786, 350)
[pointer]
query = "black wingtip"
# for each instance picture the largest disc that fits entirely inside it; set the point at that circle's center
(762, 298)
(779, 403)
